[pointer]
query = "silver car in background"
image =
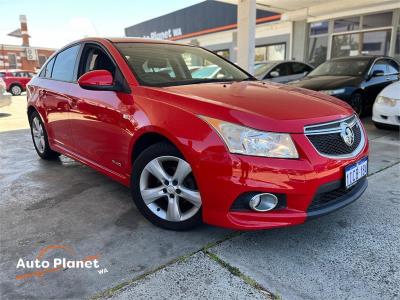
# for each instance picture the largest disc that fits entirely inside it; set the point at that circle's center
(281, 71)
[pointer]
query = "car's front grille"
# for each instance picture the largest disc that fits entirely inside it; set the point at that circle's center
(327, 196)
(328, 141)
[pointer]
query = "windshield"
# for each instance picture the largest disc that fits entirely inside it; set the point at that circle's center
(260, 69)
(168, 65)
(341, 68)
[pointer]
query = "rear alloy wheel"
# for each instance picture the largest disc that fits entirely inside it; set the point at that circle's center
(16, 90)
(39, 138)
(356, 102)
(164, 188)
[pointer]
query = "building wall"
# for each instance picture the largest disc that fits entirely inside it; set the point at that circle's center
(22, 62)
(266, 34)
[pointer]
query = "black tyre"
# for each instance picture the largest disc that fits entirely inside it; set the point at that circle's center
(164, 188)
(16, 90)
(39, 137)
(357, 103)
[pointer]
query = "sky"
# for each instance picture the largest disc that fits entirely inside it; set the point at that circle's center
(54, 23)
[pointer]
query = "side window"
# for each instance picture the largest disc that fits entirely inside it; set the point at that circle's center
(392, 67)
(64, 64)
(94, 58)
(298, 68)
(379, 65)
(46, 72)
(282, 69)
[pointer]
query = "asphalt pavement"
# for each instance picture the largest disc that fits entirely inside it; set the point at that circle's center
(352, 253)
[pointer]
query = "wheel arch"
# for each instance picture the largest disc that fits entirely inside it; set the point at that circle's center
(31, 109)
(148, 139)
(14, 84)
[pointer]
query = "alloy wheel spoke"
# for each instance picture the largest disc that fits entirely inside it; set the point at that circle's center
(42, 143)
(191, 196)
(36, 123)
(182, 170)
(155, 168)
(173, 210)
(152, 194)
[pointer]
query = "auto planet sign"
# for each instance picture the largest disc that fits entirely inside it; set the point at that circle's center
(164, 35)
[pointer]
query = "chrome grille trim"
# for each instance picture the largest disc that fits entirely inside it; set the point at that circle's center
(332, 128)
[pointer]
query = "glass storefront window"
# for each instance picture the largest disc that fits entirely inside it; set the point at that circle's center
(317, 50)
(319, 28)
(345, 45)
(376, 42)
(270, 52)
(346, 24)
(371, 42)
(377, 20)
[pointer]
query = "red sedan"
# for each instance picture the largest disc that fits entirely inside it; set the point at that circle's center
(16, 80)
(227, 150)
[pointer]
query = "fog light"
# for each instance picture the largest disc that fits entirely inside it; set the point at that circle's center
(263, 202)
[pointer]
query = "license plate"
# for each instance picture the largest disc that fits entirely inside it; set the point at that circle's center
(355, 172)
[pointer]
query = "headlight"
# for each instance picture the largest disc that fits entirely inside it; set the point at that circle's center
(333, 92)
(247, 141)
(386, 101)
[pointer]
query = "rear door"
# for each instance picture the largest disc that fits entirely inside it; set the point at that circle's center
(23, 78)
(59, 79)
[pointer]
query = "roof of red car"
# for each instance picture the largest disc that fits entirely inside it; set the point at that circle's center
(131, 40)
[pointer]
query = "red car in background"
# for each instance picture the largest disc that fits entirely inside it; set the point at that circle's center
(16, 80)
(230, 151)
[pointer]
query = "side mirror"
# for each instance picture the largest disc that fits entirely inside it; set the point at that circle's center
(97, 80)
(377, 73)
(274, 74)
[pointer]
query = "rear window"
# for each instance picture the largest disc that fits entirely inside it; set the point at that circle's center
(2, 74)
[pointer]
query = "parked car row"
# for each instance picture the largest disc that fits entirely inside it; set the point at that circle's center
(16, 80)
(357, 80)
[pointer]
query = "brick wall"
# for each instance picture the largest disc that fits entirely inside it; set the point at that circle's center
(14, 57)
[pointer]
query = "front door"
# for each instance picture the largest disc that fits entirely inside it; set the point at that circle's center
(99, 120)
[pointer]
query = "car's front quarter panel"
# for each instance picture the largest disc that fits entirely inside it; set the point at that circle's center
(222, 176)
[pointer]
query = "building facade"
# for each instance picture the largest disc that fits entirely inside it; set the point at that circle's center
(23, 57)
(341, 31)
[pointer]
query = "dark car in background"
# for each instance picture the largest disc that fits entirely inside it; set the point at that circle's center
(356, 80)
(281, 71)
(16, 80)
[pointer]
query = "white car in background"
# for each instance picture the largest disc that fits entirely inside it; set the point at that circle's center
(4, 99)
(386, 109)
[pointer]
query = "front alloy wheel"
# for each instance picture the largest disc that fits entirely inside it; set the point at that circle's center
(164, 188)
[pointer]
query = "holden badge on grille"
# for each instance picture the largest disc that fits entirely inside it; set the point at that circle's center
(347, 134)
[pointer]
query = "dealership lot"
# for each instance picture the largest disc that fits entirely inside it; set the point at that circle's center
(351, 252)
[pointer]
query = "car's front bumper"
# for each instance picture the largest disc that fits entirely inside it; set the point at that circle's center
(228, 176)
(385, 114)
